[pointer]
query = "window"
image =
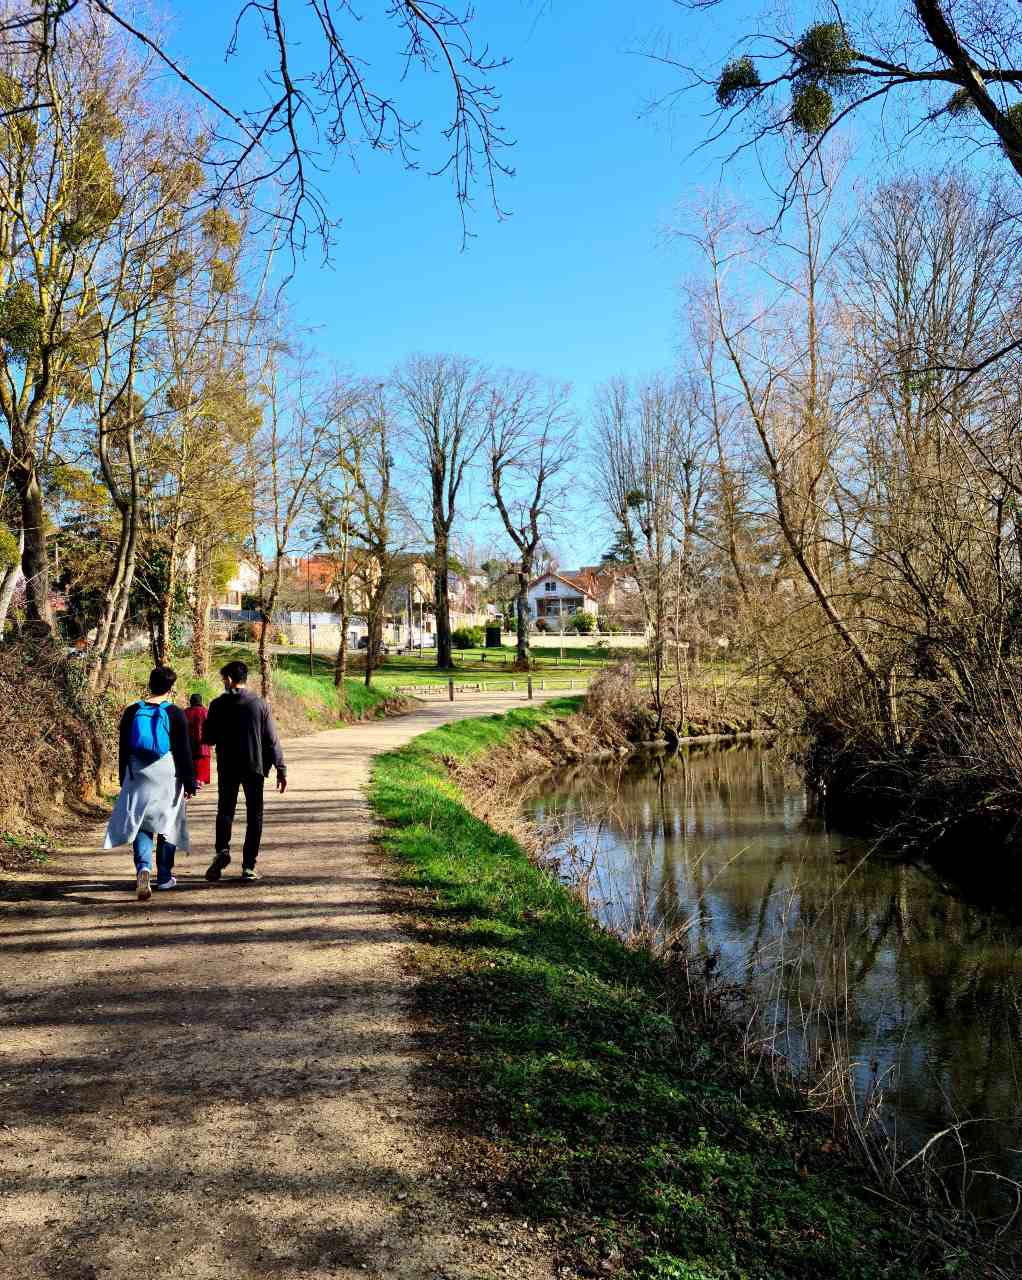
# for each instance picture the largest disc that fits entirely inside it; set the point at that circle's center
(549, 586)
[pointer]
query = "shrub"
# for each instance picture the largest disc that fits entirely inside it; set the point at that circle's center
(468, 638)
(583, 623)
(618, 709)
(542, 625)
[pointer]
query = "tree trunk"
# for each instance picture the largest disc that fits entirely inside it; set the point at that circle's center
(9, 580)
(522, 619)
(35, 563)
(442, 603)
(165, 613)
(341, 665)
(374, 638)
(265, 681)
(200, 633)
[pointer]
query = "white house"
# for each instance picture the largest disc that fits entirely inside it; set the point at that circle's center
(554, 598)
(245, 582)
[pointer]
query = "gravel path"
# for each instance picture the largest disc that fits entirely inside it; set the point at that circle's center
(219, 1083)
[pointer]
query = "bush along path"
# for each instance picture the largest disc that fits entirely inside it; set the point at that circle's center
(224, 1082)
(613, 1118)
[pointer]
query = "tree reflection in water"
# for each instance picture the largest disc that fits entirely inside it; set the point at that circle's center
(922, 984)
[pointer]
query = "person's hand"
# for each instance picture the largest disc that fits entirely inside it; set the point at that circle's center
(281, 782)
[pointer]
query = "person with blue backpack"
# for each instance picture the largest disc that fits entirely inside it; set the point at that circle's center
(157, 777)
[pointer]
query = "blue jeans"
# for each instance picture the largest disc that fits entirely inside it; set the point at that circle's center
(142, 847)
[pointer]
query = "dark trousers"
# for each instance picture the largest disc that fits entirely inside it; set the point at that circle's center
(227, 785)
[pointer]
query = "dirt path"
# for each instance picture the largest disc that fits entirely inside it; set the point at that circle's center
(218, 1083)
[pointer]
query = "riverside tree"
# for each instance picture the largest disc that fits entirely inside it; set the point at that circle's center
(649, 445)
(878, 560)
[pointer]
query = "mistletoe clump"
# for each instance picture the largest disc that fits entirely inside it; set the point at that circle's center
(21, 321)
(738, 77)
(812, 109)
(824, 54)
(824, 68)
(91, 197)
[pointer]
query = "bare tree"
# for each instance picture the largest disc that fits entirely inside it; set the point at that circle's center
(443, 401)
(377, 529)
(286, 461)
(318, 94)
(645, 455)
(959, 63)
(531, 442)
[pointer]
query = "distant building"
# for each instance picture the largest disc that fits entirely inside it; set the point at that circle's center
(244, 583)
(554, 597)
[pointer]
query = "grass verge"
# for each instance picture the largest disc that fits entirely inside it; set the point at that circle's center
(615, 1118)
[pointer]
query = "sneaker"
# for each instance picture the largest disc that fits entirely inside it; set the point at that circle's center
(216, 866)
(167, 884)
(249, 873)
(143, 887)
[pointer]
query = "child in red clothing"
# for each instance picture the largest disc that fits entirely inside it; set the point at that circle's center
(201, 753)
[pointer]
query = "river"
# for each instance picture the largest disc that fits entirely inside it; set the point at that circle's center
(920, 986)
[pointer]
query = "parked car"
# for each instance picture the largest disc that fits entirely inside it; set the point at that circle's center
(382, 649)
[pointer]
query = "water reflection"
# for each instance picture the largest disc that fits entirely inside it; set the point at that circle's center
(923, 984)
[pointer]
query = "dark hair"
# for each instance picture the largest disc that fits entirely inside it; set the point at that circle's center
(161, 679)
(235, 671)
(195, 700)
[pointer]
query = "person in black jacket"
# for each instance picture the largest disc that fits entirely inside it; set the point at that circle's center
(241, 728)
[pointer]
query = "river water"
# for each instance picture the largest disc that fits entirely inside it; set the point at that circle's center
(920, 987)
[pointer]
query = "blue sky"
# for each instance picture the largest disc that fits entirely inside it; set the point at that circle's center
(578, 282)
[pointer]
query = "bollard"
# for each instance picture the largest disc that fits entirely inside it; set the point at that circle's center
(514, 685)
(580, 664)
(450, 689)
(542, 684)
(571, 684)
(530, 686)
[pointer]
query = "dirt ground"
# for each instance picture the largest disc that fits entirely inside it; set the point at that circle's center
(226, 1081)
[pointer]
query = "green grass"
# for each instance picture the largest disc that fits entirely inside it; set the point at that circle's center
(492, 667)
(621, 1121)
(316, 693)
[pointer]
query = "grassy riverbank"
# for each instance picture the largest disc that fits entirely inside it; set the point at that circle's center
(610, 1112)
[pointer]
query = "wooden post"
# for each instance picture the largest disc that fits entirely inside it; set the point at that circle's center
(514, 685)
(530, 686)
(571, 684)
(542, 684)
(450, 689)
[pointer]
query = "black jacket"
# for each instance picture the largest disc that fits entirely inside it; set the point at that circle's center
(179, 745)
(241, 728)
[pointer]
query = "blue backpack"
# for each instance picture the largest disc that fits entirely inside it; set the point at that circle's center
(150, 732)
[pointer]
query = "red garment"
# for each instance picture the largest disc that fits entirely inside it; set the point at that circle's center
(201, 751)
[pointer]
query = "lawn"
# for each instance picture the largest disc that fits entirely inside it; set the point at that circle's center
(315, 693)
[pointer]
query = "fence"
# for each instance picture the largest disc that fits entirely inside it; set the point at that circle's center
(527, 685)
